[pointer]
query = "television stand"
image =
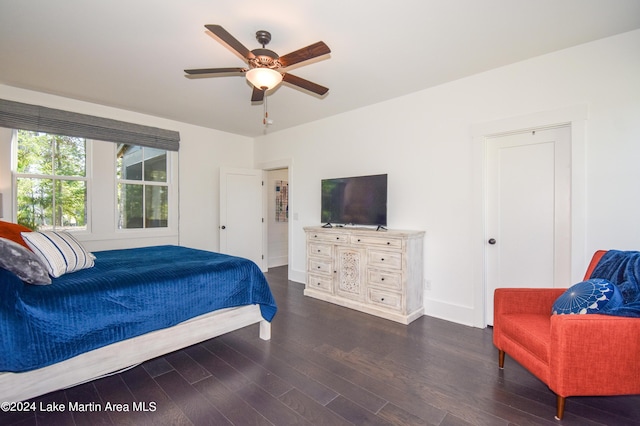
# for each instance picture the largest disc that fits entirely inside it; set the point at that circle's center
(379, 273)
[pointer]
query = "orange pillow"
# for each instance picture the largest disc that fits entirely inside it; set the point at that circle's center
(11, 231)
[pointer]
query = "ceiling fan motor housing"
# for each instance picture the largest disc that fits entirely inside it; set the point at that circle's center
(264, 58)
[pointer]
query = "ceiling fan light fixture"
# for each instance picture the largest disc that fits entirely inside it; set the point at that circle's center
(264, 77)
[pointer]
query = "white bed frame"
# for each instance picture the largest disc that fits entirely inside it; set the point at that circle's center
(120, 355)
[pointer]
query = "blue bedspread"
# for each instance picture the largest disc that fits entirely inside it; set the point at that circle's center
(623, 269)
(127, 293)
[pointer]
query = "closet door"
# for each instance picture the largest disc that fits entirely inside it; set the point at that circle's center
(528, 239)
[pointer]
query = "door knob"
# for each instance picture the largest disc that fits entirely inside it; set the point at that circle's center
(223, 227)
(492, 241)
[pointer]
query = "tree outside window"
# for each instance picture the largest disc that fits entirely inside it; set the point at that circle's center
(143, 191)
(51, 181)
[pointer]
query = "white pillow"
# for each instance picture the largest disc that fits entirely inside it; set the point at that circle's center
(60, 252)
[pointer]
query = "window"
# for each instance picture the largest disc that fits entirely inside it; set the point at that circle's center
(51, 181)
(143, 189)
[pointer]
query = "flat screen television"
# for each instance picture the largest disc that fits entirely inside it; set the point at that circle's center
(358, 200)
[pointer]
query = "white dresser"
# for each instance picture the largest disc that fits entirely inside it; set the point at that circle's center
(377, 272)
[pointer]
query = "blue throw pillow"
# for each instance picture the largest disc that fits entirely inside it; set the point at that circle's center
(588, 297)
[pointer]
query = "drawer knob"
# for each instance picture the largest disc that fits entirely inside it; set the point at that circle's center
(382, 299)
(388, 242)
(382, 279)
(358, 239)
(318, 267)
(382, 259)
(318, 250)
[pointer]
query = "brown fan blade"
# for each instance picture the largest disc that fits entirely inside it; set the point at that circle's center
(216, 71)
(230, 40)
(305, 84)
(304, 54)
(257, 95)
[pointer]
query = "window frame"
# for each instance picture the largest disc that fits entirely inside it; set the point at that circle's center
(15, 175)
(103, 134)
(168, 184)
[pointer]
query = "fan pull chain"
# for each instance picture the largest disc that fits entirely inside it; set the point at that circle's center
(266, 113)
(265, 120)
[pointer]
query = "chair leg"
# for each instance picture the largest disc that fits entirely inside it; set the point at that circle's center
(560, 400)
(500, 359)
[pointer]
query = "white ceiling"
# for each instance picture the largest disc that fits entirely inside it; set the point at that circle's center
(131, 54)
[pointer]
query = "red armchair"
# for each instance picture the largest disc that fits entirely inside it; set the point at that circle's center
(575, 355)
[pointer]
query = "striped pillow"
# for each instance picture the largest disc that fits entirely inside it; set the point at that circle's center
(60, 252)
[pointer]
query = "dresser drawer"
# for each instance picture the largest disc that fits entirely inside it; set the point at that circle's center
(329, 237)
(384, 259)
(320, 250)
(319, 266)
(395, 243)
(318, 282)
(385, 299)
(389, 280)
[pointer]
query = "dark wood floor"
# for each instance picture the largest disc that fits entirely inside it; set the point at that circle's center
(328, 365)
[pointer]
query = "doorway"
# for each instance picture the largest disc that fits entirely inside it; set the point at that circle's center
(277, 217)
(283, 170)
(254, 215)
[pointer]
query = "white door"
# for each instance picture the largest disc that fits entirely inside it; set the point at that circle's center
(241, 213)
(528, 239)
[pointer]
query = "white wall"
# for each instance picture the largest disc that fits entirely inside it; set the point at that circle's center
(425, 143)
(202, 152)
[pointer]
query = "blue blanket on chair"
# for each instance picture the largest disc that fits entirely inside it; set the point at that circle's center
(623, 269)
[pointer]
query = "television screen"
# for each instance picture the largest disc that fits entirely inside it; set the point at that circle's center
(359, 200)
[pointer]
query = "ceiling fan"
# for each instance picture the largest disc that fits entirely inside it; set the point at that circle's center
(265, 66)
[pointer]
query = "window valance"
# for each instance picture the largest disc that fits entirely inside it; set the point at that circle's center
(17, 115)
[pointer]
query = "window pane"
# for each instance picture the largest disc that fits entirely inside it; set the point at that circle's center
(35, 201)
(157, 206)
(155, 165)
(129, 164)
(119, 150)
(71, 205)
(34, 153)
(69, 156)
(142, 205)
(130, 206)
(47, 202)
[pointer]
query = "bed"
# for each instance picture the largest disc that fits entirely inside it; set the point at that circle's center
(130, 306)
